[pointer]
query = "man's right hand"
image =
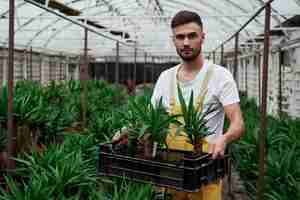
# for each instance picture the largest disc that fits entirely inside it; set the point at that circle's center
(121, 137)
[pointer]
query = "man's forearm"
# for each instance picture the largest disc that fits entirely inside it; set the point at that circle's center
(234, 132)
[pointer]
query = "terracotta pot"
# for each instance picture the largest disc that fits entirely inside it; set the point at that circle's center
(27, 138)
(74, 128)
(148, 149)
(40, 147)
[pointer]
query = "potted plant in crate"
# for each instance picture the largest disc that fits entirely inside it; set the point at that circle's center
(194, 121)
(148, 126)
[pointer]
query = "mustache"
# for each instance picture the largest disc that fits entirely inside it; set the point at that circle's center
(187, 49)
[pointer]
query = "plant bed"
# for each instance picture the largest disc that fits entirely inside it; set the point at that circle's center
(184, 171)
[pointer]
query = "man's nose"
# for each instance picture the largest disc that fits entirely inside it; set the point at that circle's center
(186, 41)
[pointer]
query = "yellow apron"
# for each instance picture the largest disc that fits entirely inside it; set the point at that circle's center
(180, 141)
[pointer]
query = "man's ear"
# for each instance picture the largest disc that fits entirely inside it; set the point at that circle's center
(203, 35)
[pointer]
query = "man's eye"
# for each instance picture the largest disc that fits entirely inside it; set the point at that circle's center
(180, 37)
(192, 36)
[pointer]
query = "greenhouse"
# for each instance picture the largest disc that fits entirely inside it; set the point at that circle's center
(149, 100)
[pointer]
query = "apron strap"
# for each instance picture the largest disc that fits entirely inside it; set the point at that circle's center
(203, 87)
(172, 90)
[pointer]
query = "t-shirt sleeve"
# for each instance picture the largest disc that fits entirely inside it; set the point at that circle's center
(158, 90)
(228, 92)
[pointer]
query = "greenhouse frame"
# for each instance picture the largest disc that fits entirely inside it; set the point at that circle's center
(76, 73)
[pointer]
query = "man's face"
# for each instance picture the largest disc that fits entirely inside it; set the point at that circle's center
(188, 40)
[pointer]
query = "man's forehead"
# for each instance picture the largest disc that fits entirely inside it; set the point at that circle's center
(187, 29)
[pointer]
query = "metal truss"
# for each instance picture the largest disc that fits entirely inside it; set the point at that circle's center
(147, 21)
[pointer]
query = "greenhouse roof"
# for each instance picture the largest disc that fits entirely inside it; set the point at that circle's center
(144, 23)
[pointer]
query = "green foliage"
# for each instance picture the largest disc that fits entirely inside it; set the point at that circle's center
(283, 154)
(54, 174)
(194, 119)
(148, 121)
(23, 191)
(67, 171)
(50, 108)
(104, 98)
(3, 101)
(129, 190)
(28, 102)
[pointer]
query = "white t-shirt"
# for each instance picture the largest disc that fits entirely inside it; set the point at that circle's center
(222, 91)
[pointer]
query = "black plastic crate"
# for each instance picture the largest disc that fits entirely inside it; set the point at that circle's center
(185, 174)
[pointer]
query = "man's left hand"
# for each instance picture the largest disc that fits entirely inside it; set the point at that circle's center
(217, 150)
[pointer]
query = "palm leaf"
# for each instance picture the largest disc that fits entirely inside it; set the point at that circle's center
(194, 119)
(183, 104)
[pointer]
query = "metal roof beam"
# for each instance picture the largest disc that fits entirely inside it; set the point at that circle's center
(49, 25)
(237, 6)
(52, 36)
(205, 3)
(222, 22)
(160, 8)
(75, 22)
(17, 6)
(297, 2)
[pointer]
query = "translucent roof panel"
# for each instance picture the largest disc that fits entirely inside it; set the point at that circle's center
(141, 23)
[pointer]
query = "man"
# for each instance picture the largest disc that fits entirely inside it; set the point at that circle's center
(212, 84)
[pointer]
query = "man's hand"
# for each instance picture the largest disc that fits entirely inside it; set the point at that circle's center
(217, 150)
(120, 137)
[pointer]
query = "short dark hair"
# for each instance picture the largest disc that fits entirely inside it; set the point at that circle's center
(185, 17)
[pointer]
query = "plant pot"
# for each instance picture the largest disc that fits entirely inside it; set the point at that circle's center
(147, 148)
(132, 146)
(27, 138)
(76, 127)
(40, 147)
(170, 156)
(198, 148)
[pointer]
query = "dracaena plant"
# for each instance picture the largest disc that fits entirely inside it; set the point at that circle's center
(194, 120)
(149, 121)
(282, 159)
(61, 168)
(3, 115)
(3, 102)
(128, 190)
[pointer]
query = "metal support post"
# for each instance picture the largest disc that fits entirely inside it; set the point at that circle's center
(11, 129)
(117, 63)
(235, 66)
(144, 69)
(263, 129)
(83, 78)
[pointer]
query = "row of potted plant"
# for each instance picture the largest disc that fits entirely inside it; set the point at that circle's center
(108, 112)
(66, 169)
(282, 154)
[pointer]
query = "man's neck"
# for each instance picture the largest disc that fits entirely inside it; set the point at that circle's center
(193, 66)
(189, 70)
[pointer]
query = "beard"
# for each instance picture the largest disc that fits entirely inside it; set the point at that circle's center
(191, 57)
